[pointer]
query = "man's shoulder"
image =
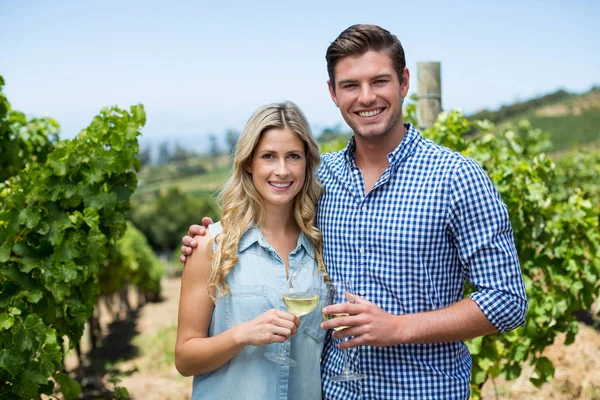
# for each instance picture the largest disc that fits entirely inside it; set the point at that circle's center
(429, 150)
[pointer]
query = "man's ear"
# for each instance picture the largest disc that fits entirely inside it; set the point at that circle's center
(405, 82)
(332, 93)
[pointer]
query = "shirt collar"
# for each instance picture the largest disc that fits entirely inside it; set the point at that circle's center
(402, 151)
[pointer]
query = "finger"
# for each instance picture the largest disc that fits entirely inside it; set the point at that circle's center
(344, 308)
(347, 332)
(357, 299)
(284, 323)
(182, 259)
(206, 221)
(185, 250)
(195, 230)
(282, 331)
(340, 322)
(349, 344)
(189, 242)
(287, 316)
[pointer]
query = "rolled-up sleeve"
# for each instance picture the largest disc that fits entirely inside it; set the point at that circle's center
(484, 238)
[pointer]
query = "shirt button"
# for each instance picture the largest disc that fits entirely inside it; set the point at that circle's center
(364, 208)
(361, 292)
(362, 250)
(355, 172)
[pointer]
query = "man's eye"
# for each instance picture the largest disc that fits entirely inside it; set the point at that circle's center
(380, 81)
(350, 86)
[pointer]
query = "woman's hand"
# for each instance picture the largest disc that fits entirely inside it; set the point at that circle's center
(273, 326)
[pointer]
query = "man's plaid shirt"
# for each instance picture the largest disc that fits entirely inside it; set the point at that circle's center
(432, 221)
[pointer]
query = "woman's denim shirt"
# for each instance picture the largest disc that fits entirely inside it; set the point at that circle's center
(257, 283)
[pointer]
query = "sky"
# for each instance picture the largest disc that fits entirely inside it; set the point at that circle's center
(202, 67)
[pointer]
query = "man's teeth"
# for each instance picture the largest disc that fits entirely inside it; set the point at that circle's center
(280, 185)
(370, 113)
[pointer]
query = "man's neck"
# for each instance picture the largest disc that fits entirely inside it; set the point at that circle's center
(372, 153)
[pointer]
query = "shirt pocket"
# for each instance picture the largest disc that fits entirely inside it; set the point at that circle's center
(244, 303)
(310, 325)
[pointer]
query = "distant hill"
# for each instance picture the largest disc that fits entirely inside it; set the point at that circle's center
(571, 119)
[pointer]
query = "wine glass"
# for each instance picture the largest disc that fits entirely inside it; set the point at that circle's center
(299, 302)
(339, 289)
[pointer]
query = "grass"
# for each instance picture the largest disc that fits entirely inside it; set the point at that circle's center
(158, 348)
(203, 184)
(567, 131)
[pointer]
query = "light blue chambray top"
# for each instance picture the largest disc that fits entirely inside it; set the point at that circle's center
(257, 283)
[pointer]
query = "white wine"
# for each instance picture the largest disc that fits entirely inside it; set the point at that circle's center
(327, 317)
(300, 303)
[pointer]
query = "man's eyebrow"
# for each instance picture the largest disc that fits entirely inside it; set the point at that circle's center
(373, 78)
(346, 81)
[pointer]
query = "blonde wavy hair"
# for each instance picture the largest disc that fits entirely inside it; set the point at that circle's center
(241, 204)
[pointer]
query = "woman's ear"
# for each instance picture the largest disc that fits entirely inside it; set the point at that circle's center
(248, 167)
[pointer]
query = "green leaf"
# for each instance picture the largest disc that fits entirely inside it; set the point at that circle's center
(474, 345)
(69, 387)
(14, 311)
(122, 393)
(34, 296)
(479, 377)
(544, 371)
(5, 250)
(6, 321)
(513, 371)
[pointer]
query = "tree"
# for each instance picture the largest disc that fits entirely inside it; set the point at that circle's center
(232, 137)
(164, 152)
(214, 145)
(61, 213)
(165, 217)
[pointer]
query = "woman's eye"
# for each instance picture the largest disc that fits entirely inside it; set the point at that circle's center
(295, 156)
(267, 156)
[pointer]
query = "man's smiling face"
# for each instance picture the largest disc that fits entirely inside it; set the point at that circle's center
(369, 94)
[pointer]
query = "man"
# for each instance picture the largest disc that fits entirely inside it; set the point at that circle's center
(407, 221)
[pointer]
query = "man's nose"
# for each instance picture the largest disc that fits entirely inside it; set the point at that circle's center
(367, 95)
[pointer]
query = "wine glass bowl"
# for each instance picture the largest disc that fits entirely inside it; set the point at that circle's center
(298, 303)
(343, 292)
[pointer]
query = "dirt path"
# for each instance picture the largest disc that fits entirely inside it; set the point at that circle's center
(147, 381)
(141, 349)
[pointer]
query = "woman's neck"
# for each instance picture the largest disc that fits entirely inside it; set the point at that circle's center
(279, 222)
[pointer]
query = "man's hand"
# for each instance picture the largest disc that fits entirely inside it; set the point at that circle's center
(369, 324)
(189, 244)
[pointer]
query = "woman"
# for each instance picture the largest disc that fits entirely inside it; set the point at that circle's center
(230, 309)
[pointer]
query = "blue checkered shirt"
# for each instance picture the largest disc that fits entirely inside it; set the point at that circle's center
(431, 221)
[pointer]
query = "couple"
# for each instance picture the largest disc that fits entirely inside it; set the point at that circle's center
(405, 220)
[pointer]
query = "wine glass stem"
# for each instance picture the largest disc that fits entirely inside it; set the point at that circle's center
(346, 361)
(282, 348)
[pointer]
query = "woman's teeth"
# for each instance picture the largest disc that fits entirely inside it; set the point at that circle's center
(280, 185)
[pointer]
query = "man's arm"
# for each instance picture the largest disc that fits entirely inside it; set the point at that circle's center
(370, 325)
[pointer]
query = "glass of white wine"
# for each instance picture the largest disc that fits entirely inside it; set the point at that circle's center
(299, 303)
(339, 289)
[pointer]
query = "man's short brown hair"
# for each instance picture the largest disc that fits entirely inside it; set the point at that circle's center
(357, 40)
